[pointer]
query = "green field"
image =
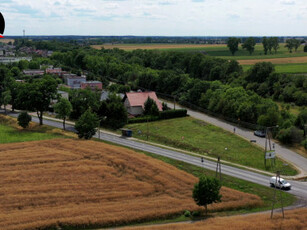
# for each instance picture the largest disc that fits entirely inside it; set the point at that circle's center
(285, 68)
(195, 135)
(10, 132)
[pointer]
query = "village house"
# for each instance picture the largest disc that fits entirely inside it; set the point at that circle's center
(134, 102)
(33, 72)
(93, 85)
(55, 71)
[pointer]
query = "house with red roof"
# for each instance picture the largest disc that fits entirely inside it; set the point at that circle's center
(134, 102)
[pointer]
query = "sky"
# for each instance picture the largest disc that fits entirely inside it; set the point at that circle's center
(156, 17)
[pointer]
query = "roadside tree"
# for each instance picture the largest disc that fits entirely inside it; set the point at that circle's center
(63, 109)
(87, 125)
(207, 191)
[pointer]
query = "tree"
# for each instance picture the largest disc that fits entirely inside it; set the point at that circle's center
(305, 48)
(6, 98)
(63, 109)
(296, 44)
(37, 95)
(265, 43)
(260, 72)
(249, 45)
(87, 124)
(113, 113)
(150, 107)
(275, 44)
(233, 44)
(290, 44)
(24, 119)
(207, 191)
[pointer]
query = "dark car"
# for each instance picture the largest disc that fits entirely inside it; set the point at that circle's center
(259, 133)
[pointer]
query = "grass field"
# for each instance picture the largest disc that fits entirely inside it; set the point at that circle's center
(197, 136)
(11, 132)
(294, 219)
(66, 182)
(285, 68)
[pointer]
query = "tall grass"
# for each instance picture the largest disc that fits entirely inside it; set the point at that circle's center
(294, 219)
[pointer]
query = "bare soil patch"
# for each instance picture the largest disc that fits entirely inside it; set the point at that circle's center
(5, 40)
(86, 183)
(275, 60)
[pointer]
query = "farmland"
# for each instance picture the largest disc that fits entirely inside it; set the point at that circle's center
(285, 62)
(197, 136)
(294, 219)
(69, 182)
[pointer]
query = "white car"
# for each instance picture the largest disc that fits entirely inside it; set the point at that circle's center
(281, 183)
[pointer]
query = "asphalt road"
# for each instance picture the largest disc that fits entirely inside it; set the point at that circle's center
(283, 152)
(298, 188)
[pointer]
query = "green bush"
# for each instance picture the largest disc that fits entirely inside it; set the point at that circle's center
(305, 48)
(168, 114)
(290, 135)
(142, 119)
(196, 213)
(304, 143)
(24, 119)
(187, 213)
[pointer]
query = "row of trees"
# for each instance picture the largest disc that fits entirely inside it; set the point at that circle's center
(269, 44)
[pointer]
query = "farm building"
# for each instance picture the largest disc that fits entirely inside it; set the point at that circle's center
(134, 102)
(93, 85)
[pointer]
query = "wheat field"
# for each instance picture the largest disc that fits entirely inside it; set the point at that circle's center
(86, 183)
(294, 219)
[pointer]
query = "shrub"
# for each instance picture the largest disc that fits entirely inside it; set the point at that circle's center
(142, 119)
(187, 213)
(167, 114)
(304, 143)
(24, 119)
(196, 213)
(290, 135)
(305, 48)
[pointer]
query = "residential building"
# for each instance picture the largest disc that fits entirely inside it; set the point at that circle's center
(134, 102)
(74, 81)
(33, 72)
(93, 85)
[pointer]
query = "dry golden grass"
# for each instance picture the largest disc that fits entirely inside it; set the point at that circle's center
(275, 60)
(294, 219)
(76, 182)
(154, 46)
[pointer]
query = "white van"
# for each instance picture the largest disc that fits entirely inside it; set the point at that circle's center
(282, 184)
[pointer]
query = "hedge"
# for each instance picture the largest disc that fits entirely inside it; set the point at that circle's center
(167, 114)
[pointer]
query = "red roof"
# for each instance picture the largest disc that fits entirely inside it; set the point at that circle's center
(139, 98)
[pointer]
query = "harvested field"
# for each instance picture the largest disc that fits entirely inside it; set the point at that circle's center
(155, 46)
(294, 219)
(87, 183)
(275, 60)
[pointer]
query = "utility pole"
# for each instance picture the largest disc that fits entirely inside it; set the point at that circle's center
(280, 196)
(147, 128)
(24, 33)
(174, 102)
(218, 169)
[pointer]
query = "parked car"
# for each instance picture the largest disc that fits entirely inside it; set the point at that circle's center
(281, 183)
(259, 133)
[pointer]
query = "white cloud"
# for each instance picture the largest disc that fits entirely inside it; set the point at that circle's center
(155, 17)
